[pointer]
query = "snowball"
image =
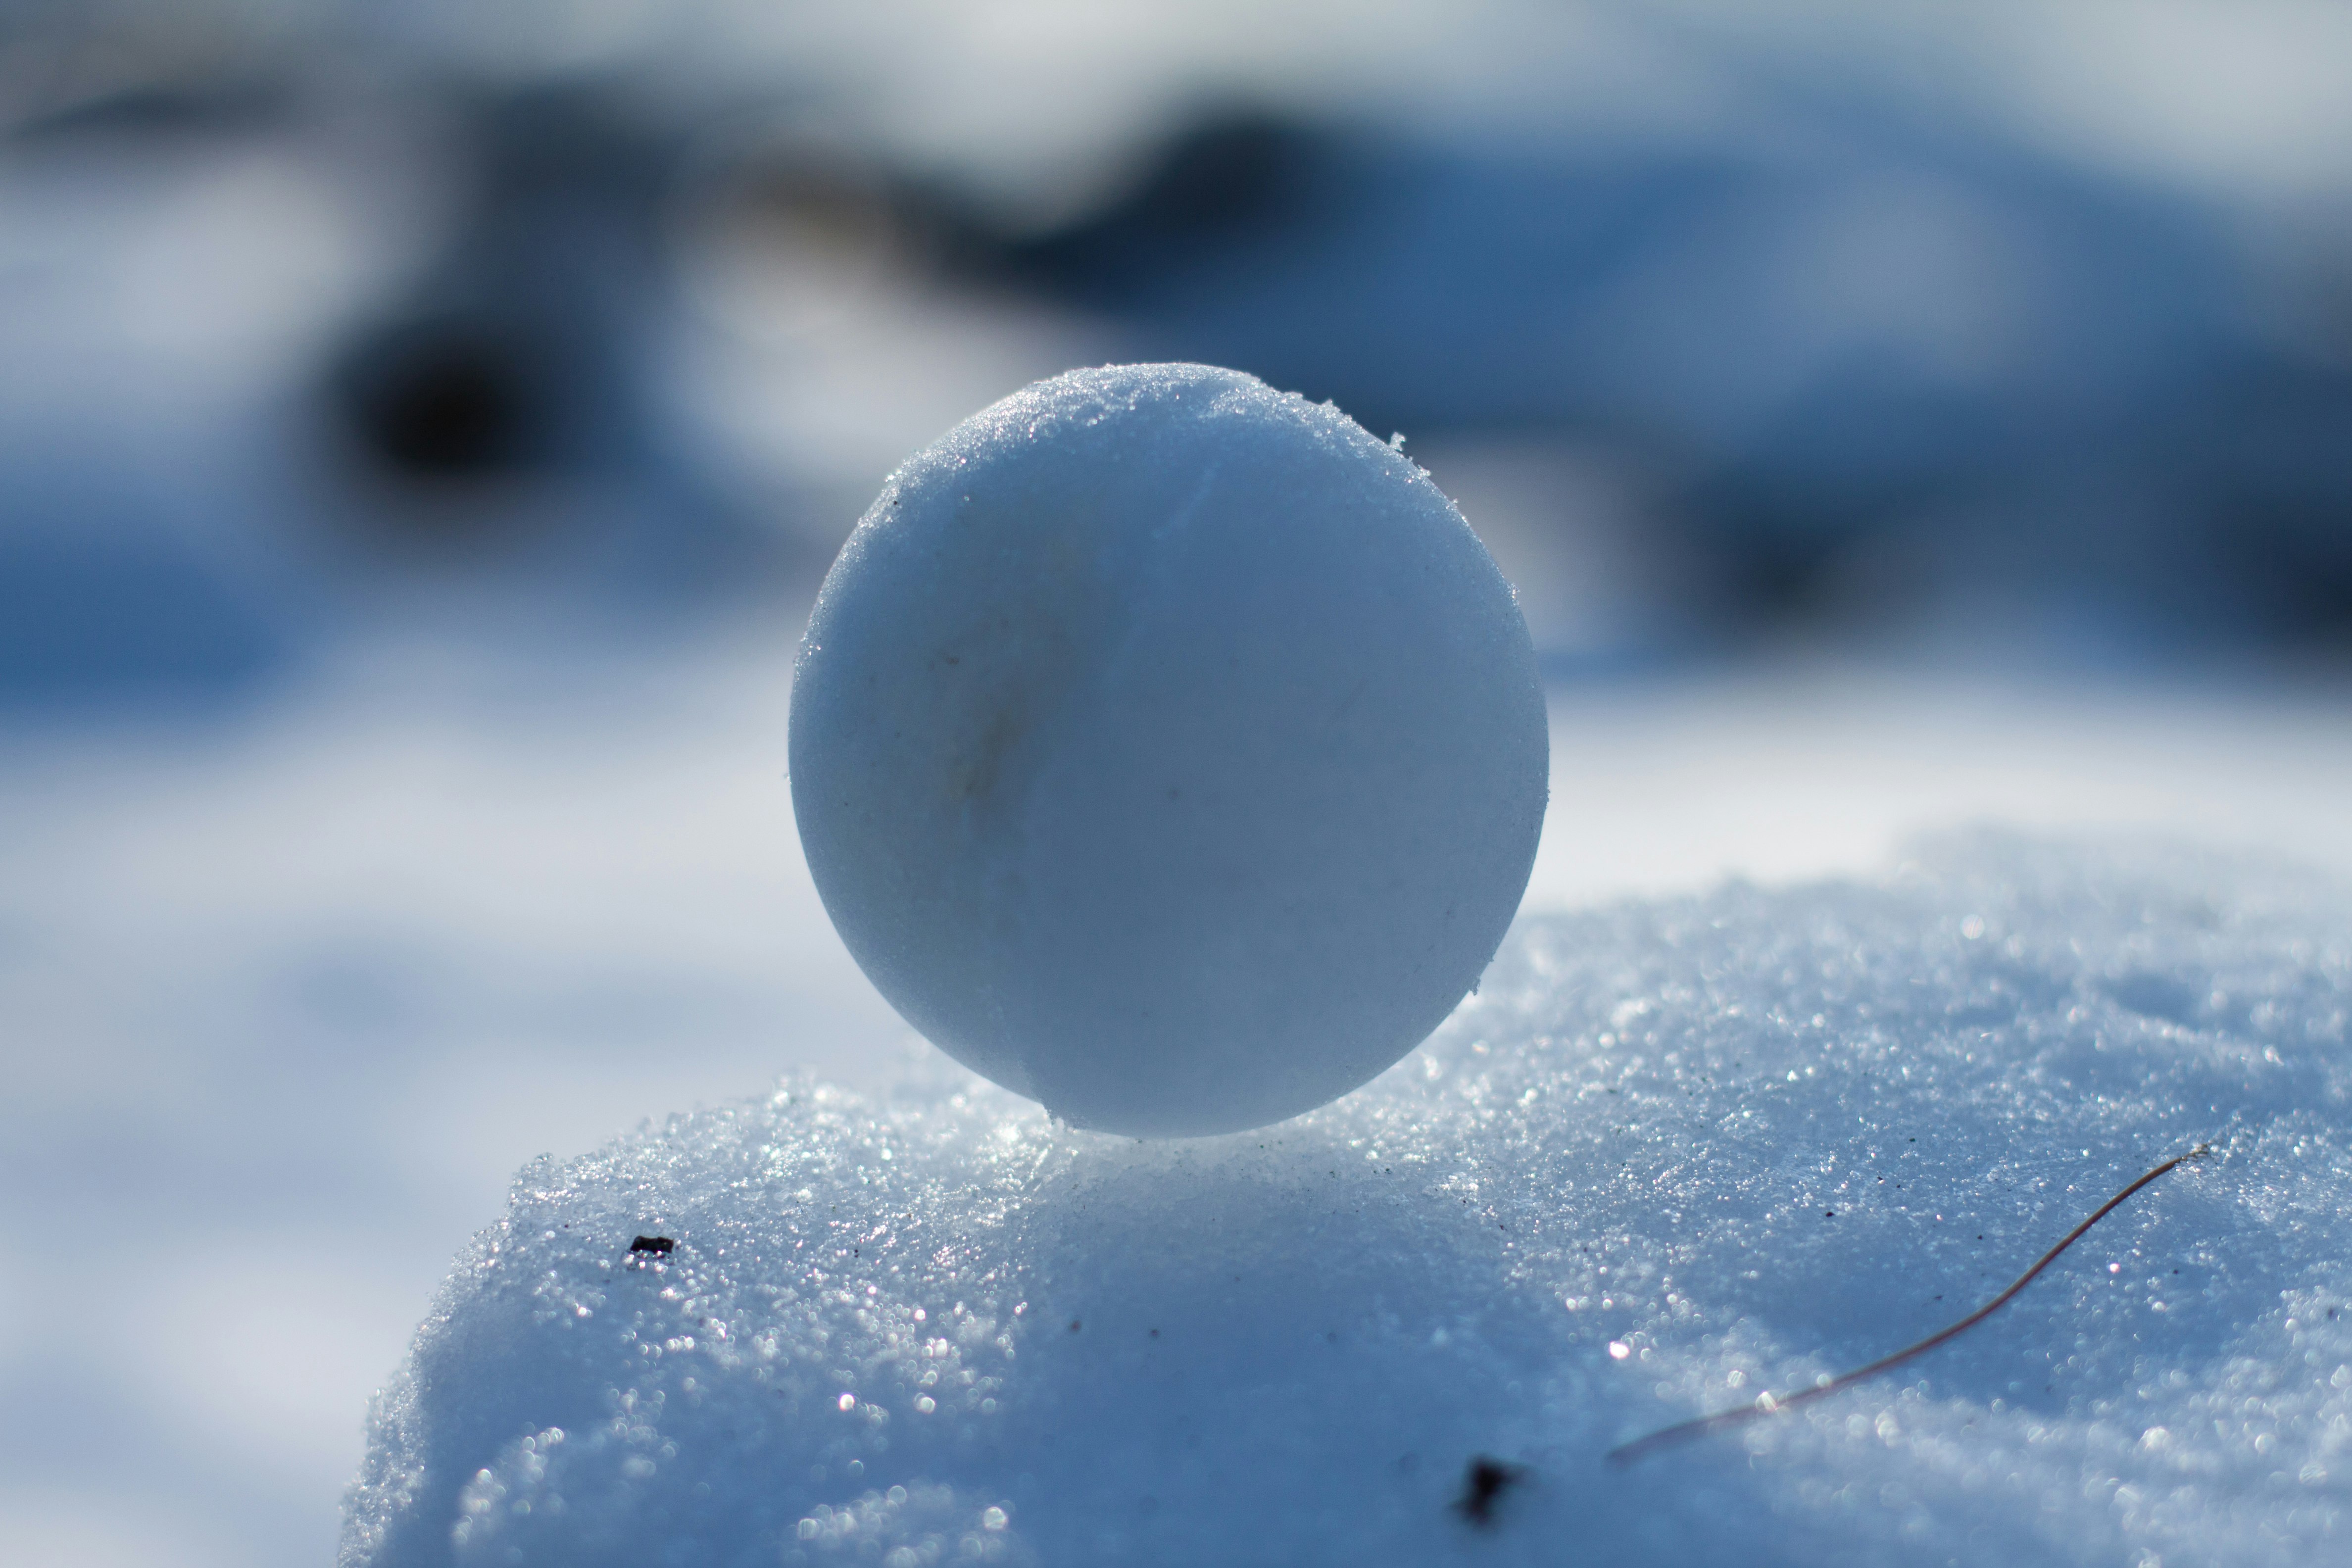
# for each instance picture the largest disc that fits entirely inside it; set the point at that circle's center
(1167, 749)
(1671, 1154)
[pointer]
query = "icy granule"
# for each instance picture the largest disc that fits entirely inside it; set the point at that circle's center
(1672, 1155)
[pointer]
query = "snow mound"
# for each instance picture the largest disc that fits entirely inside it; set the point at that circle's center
(1671, 1154)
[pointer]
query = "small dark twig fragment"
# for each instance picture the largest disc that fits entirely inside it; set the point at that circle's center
(653, 1244)
(1775, 1404)
(1483, 1485)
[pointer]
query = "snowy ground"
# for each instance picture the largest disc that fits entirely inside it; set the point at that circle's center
(1673, 1155)
(291, 997)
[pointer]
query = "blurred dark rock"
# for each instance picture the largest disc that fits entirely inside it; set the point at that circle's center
(521, 348)
(1842, 336)
(450, 400)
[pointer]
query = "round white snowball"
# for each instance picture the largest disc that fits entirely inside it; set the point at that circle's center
(1167, 749)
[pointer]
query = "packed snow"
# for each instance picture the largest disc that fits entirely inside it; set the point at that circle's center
(1673, 1154)
(1167, 749)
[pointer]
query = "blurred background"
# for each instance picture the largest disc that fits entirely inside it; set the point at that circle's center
(422, 428)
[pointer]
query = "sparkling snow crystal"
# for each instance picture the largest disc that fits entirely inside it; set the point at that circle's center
(1670, 1155)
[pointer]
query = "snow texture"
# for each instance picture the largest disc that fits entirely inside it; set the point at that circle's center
(1672, 1154)
(1167, 749)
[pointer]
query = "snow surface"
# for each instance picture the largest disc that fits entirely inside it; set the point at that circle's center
(1674, 1153)
(1167, 749)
